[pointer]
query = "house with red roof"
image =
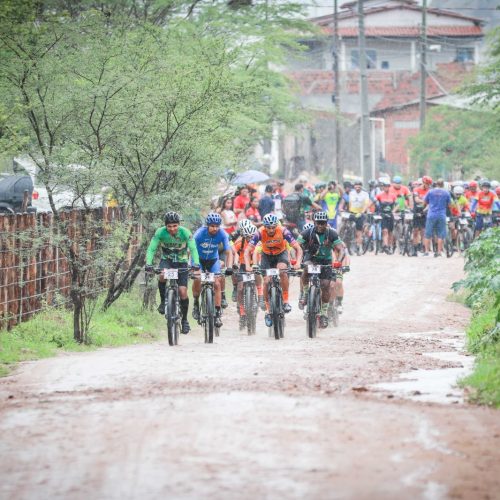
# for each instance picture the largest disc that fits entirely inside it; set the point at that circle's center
(393, 32)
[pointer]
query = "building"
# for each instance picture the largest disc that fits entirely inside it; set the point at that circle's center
(393, 33)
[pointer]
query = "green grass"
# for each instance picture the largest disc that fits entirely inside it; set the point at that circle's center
(50, 331)
(483, 337)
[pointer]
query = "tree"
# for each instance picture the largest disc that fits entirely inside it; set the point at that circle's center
(153, 108)
(457, 141)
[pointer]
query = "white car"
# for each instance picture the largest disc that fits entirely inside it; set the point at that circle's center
(62, 196)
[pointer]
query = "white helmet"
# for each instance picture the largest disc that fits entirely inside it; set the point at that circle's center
(458, 190)
(244, 223)
(248, 230)
(308, 226)
(494, 184)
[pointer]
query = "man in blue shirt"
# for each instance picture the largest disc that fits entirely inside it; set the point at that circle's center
(207, 239)
(266, 203)
(437, 201)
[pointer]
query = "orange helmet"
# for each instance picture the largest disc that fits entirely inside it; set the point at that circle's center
(473, 184)
(426, 179)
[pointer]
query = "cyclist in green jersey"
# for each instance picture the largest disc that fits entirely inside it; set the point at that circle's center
(176, 241)
(319, 244)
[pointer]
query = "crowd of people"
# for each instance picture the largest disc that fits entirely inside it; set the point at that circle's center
(268, 229)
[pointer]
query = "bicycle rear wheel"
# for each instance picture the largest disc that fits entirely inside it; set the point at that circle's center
(172, 320)
(448, 245)
(208, 315)
(312, 311)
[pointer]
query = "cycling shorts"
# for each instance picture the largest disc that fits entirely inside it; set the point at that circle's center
(271, 261)
(419, 221)
(210, 265)
(360, 221)
(483, 221)
(388, 222)
(183, 270)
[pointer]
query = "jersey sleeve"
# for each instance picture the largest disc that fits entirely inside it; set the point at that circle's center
(302, 238)
(255, 239)
(287, 235)
(153, 245)
(225, 241)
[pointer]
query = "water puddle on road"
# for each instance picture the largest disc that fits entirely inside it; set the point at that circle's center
(438, 385)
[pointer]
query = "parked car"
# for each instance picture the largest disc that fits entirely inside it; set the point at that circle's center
(13, 189)
(63, 196)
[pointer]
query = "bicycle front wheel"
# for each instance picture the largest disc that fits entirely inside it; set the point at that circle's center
(208, 315)
(250, 308)
(312, 311)
(172, 320)
(275, 312)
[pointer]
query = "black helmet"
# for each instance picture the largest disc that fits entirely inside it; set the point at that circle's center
(485, 183)
(347, 184)
(372, 183)
(172, 218)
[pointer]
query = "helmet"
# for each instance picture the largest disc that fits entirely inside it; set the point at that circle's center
(473, 184)
(458, 190)
(485, 183)
(347, 184)
(372, 183)
(319, 185)
(494, 184)
(497, 190)
(385, 182)
(172, 218)
(270, 220)
(320, 216)
(248, 230)
(426, 179)
(213, 218)
(244, 224)
(358, 183)
(397, 179)
(308, 226)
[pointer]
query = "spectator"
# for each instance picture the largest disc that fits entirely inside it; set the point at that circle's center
(296, 205)
(278, 197)
(266, 203)
(438, 200)
(253, 213)
(241, 202)
(229, 219)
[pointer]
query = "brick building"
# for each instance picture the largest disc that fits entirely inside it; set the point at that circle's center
(392, 42)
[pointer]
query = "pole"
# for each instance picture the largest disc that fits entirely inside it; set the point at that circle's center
(338, 161)
(365, 122)
(423, 63)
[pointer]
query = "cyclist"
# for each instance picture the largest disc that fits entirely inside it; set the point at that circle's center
(459, 205)
(274, 255)
(319, 244)
(239, 247)
(358, 203)
(385, 202)
(482, 206)
(472, 191)
(176, 241)
(207, 240)
(420, 189)
(402, 194)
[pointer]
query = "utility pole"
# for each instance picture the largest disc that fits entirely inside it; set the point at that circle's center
(338, 157)
(423, 63)
(364, 142)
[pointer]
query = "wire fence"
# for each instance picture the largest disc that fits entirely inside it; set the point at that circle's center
(35, 271)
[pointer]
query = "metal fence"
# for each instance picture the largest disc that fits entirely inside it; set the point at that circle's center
(34, 268)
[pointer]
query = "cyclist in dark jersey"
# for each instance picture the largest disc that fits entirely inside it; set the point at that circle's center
(319, 244)
(176, 242)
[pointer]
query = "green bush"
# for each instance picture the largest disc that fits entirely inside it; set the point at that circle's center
(482, 282)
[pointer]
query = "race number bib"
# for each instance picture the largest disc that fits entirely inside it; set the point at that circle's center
(170, 274)
(312, 269)
(248, 277)
(207, 277)
(272, 272)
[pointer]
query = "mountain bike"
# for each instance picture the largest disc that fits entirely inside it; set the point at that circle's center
(372, 237)
(172, 306)
(207, 306)
(449, 247)
(275, 297)
(348, 231)
(313, 298)
(465, 234)
(406, 247)
(250, 303)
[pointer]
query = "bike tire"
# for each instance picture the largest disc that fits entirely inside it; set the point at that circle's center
(312, 313)
(209, 316)
(172, 320)
(335, 317)
(250, 309)
(448, 244)
(275, 313)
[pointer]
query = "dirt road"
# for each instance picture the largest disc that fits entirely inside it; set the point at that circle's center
(252, 417)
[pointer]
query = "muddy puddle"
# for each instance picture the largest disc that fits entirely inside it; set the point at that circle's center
(435, 385)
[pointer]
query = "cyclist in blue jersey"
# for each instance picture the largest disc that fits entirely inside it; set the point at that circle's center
(207, 239)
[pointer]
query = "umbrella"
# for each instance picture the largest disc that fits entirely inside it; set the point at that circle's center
(250, 177)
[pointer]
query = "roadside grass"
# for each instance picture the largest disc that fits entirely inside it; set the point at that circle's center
(51, 331)
(483, 338)
(459, 296)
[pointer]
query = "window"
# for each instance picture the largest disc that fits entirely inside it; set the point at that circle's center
(385, 65)
(465, 54)
(371, 59)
